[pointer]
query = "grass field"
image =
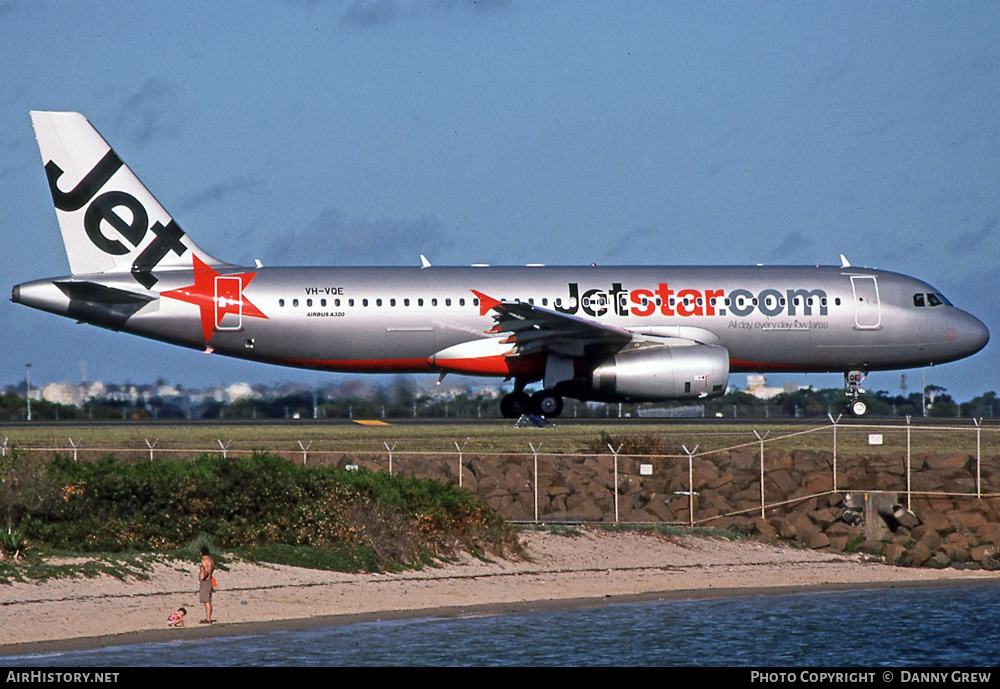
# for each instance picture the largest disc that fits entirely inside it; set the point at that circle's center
(565, 437)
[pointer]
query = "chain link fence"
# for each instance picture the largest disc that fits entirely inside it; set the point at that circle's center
(697, 478)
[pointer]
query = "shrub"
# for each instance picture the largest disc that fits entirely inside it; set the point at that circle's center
(259, 502)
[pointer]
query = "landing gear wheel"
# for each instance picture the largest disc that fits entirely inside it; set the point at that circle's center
(852, 381)
(548, 404)
(514, 405)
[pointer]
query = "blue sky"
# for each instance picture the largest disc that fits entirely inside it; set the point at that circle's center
(304, 132)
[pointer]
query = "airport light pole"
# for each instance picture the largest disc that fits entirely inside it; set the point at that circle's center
(27, 387)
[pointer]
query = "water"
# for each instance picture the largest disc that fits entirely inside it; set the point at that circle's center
(889, 627)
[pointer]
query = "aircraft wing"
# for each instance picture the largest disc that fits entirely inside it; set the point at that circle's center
(535, 330)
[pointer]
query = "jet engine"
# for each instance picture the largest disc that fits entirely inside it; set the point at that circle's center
(649, 372)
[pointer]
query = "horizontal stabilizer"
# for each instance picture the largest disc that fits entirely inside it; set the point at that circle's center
(90, 302)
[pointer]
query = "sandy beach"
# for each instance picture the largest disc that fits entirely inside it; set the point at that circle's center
(591, 569)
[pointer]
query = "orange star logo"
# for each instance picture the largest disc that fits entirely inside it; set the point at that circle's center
(216, 296)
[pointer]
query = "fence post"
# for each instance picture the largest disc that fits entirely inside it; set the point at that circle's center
(305, 450)
(151, 447)
(690, 490)
(460, 449)
(389, 450)
(615, 487)
(225, 447)
(908, 463)
(534, 452)
(979, 428)
(761, 439)
(73, 445)
(834, 422)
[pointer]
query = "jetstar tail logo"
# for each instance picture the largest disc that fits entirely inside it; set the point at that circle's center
(217, 296)
(120, 211)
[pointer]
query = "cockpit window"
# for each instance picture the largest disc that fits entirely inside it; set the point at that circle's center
(930, 299)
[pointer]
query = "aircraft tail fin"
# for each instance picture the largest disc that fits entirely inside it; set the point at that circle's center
(109, 221)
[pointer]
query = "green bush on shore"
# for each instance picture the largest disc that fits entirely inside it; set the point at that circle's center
(264, 506)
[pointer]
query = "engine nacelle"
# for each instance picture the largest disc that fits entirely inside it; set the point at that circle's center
(653, 372)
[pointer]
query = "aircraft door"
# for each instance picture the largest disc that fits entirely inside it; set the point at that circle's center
(867, 311)
(228, 300)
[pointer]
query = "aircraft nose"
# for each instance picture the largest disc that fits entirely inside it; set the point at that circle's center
(972, 333)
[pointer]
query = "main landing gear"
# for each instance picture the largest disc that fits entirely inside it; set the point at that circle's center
(852, 381)
(544, 402)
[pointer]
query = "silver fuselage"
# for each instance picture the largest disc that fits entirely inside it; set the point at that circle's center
(770, 319)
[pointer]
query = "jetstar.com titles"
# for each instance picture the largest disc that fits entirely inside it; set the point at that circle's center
(667, 301)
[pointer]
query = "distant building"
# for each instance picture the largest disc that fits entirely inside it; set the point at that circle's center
(758, 387)
(239, 391)
(71, 394)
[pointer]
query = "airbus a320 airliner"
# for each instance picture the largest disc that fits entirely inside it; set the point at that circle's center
(610, 333)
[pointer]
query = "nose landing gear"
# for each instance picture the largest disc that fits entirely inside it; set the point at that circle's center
(852, 381)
